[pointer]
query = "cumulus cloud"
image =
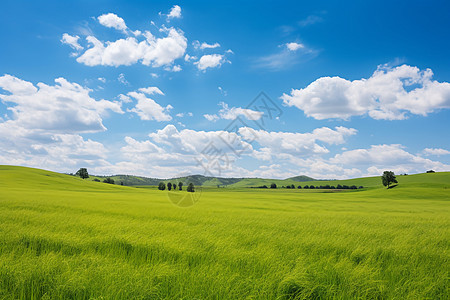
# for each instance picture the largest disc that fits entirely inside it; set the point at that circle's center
(147, 109)
(72, 41)
(156, 49)
(294, 46)
(176, 68)
(152, 51)
(112, 21)
(46, 123)
(151, 90)
(63, 107)
(435, 151)
(175, 12)
(389, 94)
(379, 158)
(210, 61)
(205, 45)
(170, 148)
(287, 145)
(212, 118)
(233, 113)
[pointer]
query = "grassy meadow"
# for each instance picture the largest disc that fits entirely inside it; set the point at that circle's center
(62, 237)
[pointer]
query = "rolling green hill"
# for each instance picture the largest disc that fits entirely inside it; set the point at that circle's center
(62, 237)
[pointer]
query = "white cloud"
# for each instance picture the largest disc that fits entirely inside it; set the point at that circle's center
(435, 151)
(181, 115)
(294, 46)
(176, 68)
(64, 107)
(233, 113)
(205, 45)
(152, 51)
(46, 121)
(169, 148)
(175, 12)
(154, 75)
(390, 93)
(147, 109)
(72, 41)
(122, 79)
(125, 98)
(151, 90)
(102, 79)
(210, 61)
(290, 145)
(379, 158)
(112, 21)
(211, 118)
(188, 57)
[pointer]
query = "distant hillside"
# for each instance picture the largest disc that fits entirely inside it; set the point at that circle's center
(301, 178)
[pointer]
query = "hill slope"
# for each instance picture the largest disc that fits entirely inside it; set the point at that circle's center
(62, 237)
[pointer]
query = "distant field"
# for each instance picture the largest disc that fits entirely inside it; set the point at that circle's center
(65, 238)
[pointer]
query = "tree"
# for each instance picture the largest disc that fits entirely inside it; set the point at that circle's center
(82, 173)
(180, 186)
(161, 186)
(299, 187)
(96, 180)
(190, 188)
(388, 178)
(292, 186)
(109, 180)
(169, 186)
(430, 171)
(273, 186)
(174, 186)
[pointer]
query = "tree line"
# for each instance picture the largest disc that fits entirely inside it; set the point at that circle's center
(174, 186)
(330, 187)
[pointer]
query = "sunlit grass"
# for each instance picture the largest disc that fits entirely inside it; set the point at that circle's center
(62, 237)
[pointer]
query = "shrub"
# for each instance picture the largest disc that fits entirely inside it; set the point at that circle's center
(273, 186)
(96, 180)
(109, 180)
(431, 171)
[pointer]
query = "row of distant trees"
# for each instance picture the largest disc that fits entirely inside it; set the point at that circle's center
(174, 186)
(329, 187)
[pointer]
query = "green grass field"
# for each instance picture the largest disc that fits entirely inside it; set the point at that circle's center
(65, 238)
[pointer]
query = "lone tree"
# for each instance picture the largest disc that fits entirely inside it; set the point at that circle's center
(82, 173)
(388, 178)
(180, 186)
(161, 186)
(169, 186)
(190, 188)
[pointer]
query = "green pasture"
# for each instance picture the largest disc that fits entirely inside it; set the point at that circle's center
(62, 237)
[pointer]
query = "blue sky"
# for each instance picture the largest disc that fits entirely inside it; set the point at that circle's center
(162, 89)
